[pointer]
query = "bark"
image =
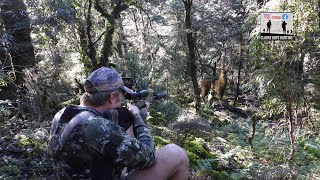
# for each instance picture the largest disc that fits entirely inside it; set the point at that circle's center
(259, 3)
(111, 17)
(17, 26)
(253, 125)
(290, 126)
(87, 45)
(120, 43)
(239, 71)
(192, 67)
(92, 50)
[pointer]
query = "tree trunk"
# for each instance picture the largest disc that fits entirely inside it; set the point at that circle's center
(121, 45)
(192, 67)
(290, 126)
(91, 48)
(259, 3)
(107, 47)
(239, 71)
(18, 43)
(111, 18)
(253, 125)
(86, 42)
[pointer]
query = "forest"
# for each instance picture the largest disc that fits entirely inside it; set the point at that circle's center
(241, 107)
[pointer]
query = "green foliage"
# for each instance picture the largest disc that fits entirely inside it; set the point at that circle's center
(273, 106)
(5, 112)
(220, 175)
(166, 112)
(311, 148)
(160, 142)
(131, 67)
(45, 91)
(32, 161)
(73, 101)
(272, 152)
(183, 95)
(207, 164)
(38, 146)
(133, 3)
(239, 138)
(214, 174)
(196, 152)
(4, 79)
(10, 170)
(156, 118)
(154, 54)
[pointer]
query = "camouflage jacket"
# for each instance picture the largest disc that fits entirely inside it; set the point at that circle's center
(98, 148)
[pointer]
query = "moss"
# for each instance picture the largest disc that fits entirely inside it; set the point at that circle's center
(25, 141)
(34, 177)
(196, 152)
(217, 175)
(313, 149)
(10, 170)
(75, 100)
(33, 143)
(156, 118)
(220, 175)
(159, 141)
(36, 147)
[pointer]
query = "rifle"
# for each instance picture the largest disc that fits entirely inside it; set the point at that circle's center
(138, 98)
(124, 117)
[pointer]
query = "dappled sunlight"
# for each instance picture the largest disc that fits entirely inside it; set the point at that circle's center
(261, 120)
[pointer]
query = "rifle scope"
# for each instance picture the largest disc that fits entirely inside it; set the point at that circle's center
(137, 95)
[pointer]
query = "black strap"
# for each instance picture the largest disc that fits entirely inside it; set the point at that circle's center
(63, 136)
(72, 124)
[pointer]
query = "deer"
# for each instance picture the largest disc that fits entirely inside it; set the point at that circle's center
(220, 84)
(217, 85)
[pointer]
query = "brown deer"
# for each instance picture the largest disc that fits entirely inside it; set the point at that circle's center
(205, 87)
(218, 85)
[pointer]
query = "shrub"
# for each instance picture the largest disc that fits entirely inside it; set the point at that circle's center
(45, 91)
(10, 170)
(164, 113)
(190, 124)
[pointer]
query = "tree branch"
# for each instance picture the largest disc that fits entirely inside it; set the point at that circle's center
(102, 11)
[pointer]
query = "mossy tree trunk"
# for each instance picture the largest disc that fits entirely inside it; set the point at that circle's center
(319, 12)
(192, 67)
(86, 41)
(90, 56)
(18, 48)
(239, 70)
(112, 18)
(291, 129)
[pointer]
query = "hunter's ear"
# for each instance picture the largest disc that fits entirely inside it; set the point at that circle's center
(113, 96)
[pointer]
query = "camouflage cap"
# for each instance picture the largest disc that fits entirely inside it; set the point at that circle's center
(104, 79)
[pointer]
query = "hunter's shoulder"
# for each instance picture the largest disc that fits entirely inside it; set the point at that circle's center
(98, 125)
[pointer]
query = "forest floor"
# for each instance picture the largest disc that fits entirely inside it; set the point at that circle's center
(268, 158)
(221, 134)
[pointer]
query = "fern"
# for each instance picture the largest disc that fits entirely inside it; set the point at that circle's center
(206, 164)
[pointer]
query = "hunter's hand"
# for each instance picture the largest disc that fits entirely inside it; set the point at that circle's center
(146, 108)
(133, 109)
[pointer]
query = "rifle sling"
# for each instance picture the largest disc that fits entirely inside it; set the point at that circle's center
(69, 127)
